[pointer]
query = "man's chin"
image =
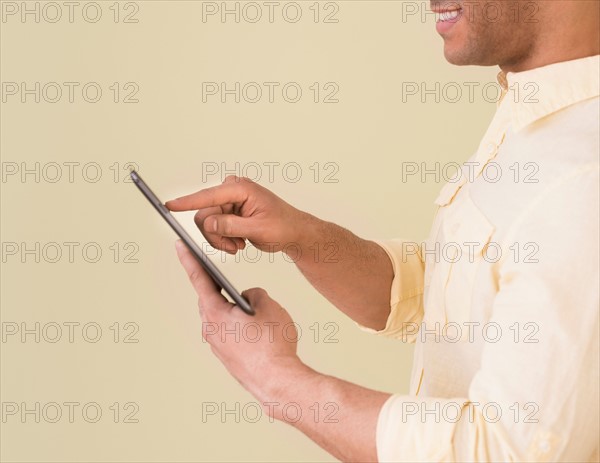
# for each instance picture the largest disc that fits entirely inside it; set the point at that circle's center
(467, 55)
(461, 57)
(454, 56)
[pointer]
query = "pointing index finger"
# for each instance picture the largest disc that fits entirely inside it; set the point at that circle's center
(227, 193)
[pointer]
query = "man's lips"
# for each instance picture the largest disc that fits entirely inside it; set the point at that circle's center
(446, 17)
(448, 13)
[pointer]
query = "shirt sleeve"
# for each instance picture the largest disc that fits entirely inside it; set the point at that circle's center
(535, 395)
(406, 294)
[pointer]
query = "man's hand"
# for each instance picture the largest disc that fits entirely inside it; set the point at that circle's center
(263, 359)
(354, 274)
(259, 351)
(240, 209)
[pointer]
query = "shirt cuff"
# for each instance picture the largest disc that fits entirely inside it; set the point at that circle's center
(406, 294)
(407, 430)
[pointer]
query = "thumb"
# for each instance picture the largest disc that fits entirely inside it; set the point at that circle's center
(257, 297)
(228, 225)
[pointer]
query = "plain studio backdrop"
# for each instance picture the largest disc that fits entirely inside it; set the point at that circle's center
(341, 107)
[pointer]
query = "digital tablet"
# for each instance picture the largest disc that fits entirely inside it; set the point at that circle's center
(212, 270)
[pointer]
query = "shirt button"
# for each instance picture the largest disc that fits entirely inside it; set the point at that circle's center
(544, 446)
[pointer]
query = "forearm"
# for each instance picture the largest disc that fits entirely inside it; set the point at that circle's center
(352, 273)
(339, 416)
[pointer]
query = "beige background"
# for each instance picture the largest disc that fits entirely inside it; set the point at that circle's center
(169, 133)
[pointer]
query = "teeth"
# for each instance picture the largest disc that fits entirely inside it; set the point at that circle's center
(448, 15)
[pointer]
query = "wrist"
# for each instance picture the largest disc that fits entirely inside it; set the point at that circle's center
(306, 232)
(287, 378)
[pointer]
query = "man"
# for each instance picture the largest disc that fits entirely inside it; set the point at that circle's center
(505, 325)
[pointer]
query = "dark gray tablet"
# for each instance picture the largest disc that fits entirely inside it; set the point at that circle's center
(212, 270)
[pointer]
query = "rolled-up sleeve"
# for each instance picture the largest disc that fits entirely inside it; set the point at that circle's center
(406, 293)
(535, 395)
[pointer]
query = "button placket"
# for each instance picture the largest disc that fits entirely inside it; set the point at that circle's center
(465, 224)
(489, 154)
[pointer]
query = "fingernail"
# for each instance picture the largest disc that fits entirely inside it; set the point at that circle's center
(212, 225)
(179, 245)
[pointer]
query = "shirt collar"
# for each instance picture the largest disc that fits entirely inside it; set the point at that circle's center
(540, 92)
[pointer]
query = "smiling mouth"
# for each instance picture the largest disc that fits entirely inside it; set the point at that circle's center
(448, 15)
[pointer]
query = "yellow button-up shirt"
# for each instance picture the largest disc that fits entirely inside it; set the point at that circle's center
(502, 300)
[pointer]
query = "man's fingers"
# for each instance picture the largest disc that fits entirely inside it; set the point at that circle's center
(218, 242)
(208, 292)
(227, 193)
(228, 225)
(204, 213)
(240, 243)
